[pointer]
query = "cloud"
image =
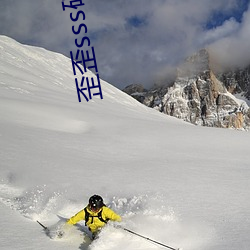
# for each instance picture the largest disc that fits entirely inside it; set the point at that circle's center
(136, 41)
(233, 49)
(228, 28)
(33, 22)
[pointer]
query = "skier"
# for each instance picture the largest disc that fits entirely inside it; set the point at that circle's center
(95, 214)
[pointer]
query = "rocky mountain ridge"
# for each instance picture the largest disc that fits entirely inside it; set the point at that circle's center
(200, 95)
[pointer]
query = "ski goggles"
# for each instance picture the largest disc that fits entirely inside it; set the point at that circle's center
(94, 208)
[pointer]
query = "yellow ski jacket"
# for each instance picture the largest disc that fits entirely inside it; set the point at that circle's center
(94, 223)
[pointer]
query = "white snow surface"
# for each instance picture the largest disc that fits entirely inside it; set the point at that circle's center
(182, 185)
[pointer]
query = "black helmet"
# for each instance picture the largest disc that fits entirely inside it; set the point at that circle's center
(96, 202)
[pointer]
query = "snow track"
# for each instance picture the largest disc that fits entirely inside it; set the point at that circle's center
(145, 214)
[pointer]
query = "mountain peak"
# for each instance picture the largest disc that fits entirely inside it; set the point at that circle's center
(201, 97)
(197, 64)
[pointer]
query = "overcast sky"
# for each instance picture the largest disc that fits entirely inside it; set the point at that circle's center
(135, 41)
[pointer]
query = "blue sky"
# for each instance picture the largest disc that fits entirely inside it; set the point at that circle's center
(136, 41)
(136, 21)
(218, 17)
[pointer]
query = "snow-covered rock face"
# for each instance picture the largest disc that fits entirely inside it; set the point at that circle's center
(237, 81)
(199, 97)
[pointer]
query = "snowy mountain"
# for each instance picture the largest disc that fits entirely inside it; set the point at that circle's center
(201, 96)
(182, 185)
(237, 81)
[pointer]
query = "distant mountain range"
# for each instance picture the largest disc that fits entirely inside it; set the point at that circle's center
(201, 94)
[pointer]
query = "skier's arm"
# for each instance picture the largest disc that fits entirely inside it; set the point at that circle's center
(110, 214)
(77, 217)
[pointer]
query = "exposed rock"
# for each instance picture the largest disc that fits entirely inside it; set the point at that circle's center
(237, 81)
(133, 88)
(201, 97)
(137, 91)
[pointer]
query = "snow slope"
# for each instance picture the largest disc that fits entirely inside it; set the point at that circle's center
(176, 183)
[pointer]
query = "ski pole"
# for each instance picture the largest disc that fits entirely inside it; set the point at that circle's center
(146, 238)
(45, 228)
